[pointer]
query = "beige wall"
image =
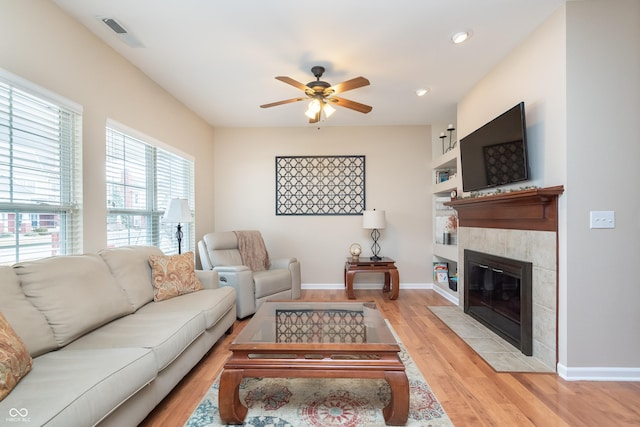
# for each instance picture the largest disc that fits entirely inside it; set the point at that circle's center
(603, 135)
(397, 180)
(40, 43)
(578, 75)
(534, 73)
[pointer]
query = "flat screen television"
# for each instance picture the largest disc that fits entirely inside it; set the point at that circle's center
(496, 153)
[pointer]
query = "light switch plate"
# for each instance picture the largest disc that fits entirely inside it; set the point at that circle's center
(602, 219)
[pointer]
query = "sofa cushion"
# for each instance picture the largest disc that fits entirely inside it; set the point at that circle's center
(165, 334)
(173, 276)
(79, 388)
(212, 303)
(15, 360)
(130, 266)
(222, 248)
(28, 322)
(75, 293)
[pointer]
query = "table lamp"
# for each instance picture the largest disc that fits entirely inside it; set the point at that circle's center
(374, 220)
(178, 212)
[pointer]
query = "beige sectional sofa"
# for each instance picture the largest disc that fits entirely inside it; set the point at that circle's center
(104, 352)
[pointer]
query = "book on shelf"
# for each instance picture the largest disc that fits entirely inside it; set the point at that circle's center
(441, 272)
(442, 176)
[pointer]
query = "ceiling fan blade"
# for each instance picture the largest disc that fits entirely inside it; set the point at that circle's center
(348, 85)
(294, 83)
(362, 108)
(286, 101)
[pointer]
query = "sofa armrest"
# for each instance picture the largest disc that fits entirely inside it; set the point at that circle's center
(208, 278)
(241, 279)
(293, 266)
(296, 280)
(281, 263)
(231, 268)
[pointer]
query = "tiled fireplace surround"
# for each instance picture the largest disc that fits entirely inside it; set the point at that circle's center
(520, 226)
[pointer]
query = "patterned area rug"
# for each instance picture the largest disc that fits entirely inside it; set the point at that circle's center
(298, 402)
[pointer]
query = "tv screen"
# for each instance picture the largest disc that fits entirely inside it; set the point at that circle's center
(496, 153)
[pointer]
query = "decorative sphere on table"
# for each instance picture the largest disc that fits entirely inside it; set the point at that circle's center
(355, 250)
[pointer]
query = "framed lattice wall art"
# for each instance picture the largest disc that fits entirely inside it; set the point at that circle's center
(320, 185)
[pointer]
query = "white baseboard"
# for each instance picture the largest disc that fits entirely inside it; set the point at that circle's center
(598, 374)
(452, 298)
(356, 286)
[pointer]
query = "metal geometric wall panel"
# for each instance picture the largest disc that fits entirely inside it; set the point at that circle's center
(320, 185)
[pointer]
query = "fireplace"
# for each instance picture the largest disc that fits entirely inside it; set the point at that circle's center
(497, 293)
(521, 225)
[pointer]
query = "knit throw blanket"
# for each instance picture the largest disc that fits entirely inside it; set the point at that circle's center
(253, 250)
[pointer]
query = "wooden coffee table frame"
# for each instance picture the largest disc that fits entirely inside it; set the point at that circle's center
(313, 360)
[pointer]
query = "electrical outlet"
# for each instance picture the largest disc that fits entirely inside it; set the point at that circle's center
(602, 219)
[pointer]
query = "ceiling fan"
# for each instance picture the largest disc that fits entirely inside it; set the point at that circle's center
(322, 95)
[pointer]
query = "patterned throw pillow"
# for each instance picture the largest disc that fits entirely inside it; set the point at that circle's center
(173, 275)
(15, 360)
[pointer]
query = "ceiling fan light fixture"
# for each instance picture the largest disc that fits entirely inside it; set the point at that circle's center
(321, 94)
(460, 37)
(315, 105)
(310, 114)
(328, 110)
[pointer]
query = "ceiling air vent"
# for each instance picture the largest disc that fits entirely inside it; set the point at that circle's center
(124, 35)
(113, 24)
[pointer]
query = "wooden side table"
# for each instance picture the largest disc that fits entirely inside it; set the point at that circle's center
(366, 265)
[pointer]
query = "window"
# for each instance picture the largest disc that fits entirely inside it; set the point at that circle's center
(40, 173)
(141, 179)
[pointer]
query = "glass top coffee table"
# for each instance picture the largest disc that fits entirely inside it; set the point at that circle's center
(292, 339)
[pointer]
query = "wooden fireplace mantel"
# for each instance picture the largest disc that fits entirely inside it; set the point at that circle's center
(535, 209)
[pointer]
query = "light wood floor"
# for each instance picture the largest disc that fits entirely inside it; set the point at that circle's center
(470, 391)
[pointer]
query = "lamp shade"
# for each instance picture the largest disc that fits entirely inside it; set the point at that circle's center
(178, 211)
(373, 219)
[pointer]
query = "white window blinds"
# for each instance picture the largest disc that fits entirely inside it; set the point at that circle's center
(40, 176)
(141, 179)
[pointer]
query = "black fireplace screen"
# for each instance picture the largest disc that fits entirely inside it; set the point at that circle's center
(498, 294)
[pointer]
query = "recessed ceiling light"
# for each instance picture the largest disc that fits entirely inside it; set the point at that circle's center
(422, 91)
(461, 36)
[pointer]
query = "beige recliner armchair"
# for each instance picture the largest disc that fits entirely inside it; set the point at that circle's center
(242, 261)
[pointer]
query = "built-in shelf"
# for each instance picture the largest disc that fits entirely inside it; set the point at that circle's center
(446, 251)
(441, 191)
(446, 186)
(448, 160)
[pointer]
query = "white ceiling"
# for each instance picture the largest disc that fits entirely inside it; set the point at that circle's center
(220, 57)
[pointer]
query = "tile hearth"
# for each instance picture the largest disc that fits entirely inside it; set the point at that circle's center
(497, 352)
